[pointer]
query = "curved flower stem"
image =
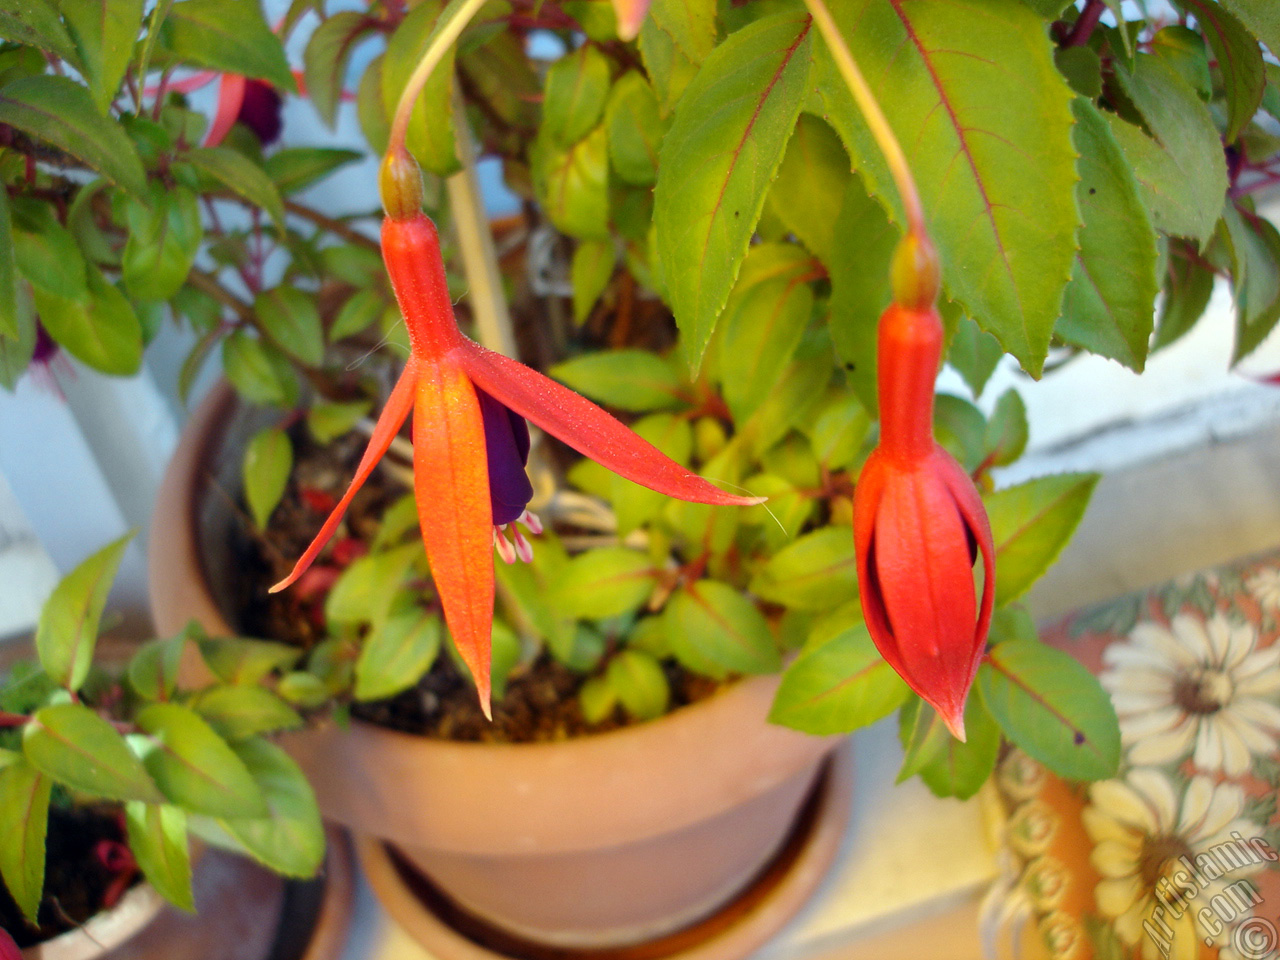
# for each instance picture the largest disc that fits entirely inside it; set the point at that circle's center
(874, 116)
(452, 22)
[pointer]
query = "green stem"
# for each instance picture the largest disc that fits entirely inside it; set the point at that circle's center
(479, 259)
(452, 22)
(874, 116)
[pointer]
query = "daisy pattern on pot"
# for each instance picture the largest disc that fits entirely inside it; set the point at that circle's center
(1264, 585)
(1152, 847)
(1195, 687)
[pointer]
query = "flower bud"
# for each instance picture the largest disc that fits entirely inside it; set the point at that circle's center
(918, 528)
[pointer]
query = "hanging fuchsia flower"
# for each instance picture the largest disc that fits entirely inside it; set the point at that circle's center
(470, 441)
(918, 522)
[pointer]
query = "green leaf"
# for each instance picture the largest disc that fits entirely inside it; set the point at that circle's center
(328, 421)
(293, 321)
(236, 660)
(304, 689)
(46, 252)
(634, 380)
(948, 767)
(291, 839)
(1188, 285)
(430, 137)
(1180, 167)
(633, 119)
(8, 273)
(60, 112)
(974, 353)
(862, 250)
(838, 683)
(596, 699)
(714, 629)
(296, 168)
(1107, 308)
(811, 183)
(366, 589)
(240, 175)
(76, 747)
(634, 504)
(194, 767)
(718, 159)
(942, 72)
(639, 683)
(1261, 17)
(370, 111)
(961, 428)
(104, 32)
(16, 352)
(100, 329)
(394, 656)
(1184, 50)
(157, 836)
(326, 57)
(259, 372)
(1239, 61)
(1007, 430)
(1253, 244)
(839, 431)
(24, 822)
(668, 68)
(574, 96)
(593, 263)
(691, 24)
(1053, 708)
(602, 583)
(164, 237)
(1083, 69)
(1031, 523)
(153, 670)
(240, 712)
(68, 629)
(358, 314)
(230, 38)
(817, 572)
(764, 321)
(268, 460)
(573, 184)
(36, 23)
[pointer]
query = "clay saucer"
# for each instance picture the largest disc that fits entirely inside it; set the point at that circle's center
(778, 892)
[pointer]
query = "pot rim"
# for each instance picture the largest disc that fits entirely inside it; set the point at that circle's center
(104, 931)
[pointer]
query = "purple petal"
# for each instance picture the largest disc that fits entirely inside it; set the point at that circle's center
(506, 441)
(260, 111)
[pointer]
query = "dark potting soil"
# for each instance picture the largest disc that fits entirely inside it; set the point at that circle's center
(540, 702)
(75, 880)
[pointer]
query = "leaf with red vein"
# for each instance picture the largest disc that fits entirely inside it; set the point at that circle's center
(725, 144)
(971, 90)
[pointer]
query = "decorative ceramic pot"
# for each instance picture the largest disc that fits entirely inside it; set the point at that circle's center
(1176, 856)
(605, 839)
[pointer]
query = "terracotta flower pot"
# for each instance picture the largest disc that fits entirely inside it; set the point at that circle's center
(602, 840)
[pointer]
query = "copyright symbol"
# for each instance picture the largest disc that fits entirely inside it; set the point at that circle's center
(1255, 938)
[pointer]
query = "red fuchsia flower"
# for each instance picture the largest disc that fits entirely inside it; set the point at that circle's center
(470, 440)
(918, 522)
(251, 102)
(8, 949)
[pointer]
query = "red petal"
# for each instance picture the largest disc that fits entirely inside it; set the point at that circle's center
(451, 486)
(230, 98)
(388, 425)
(585, 427)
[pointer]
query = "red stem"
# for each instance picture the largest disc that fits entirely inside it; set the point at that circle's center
(1083, 28)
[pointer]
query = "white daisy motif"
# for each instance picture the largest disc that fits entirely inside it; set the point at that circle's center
(1158, 855)
(1195, 688)
(1265, 587)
